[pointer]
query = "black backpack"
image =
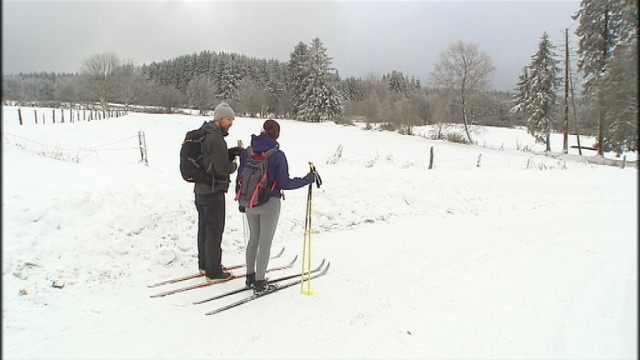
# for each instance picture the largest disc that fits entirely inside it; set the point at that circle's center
(252, 186)
(191, 165)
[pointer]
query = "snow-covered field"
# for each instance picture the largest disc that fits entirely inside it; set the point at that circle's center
(523, 257)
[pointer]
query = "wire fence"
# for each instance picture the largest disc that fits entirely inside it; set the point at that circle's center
(77, 154)
(43, 116)
(544, 161)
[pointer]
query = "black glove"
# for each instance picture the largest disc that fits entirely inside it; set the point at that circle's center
(310, 177)
(234, 151)
(241, 208)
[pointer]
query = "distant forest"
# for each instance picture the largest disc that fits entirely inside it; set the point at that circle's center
(308, 88)
(254, 87)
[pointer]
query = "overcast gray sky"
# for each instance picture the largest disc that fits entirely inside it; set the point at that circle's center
(362, 37)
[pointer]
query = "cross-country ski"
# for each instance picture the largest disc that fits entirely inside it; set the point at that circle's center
(205, 284)
(199, 274)
(277, 288)
(271, 281)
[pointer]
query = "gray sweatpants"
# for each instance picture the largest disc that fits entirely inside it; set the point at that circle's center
(263, 221)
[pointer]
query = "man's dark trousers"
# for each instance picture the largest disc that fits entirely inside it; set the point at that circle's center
(211, 218)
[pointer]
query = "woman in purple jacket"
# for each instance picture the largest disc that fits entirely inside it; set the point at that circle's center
(263, 219)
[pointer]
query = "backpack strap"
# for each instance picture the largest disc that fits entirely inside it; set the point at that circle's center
(264, 154)
(271, 151)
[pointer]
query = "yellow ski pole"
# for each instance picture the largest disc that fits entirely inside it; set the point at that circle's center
(306, 251)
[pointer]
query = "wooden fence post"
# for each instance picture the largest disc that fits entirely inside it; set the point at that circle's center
(35, 115)
(624, 161)
(431, 158)
(53, 112)
(334, 158)
(479, 157)
(143, 147)
(20, 116)
(62, 115)
(71, 114)
(43, 118)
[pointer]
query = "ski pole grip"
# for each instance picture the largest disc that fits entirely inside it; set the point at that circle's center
(318, 179)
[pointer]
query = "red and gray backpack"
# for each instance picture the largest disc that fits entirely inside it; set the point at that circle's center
(252, 185)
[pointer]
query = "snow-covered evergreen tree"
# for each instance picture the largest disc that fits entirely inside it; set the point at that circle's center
(314, 84)
(228, 78)
(542, 85)
(521, 96)
(214, 67)
(604, 25)
(353, 89)
(415, 84)
(298, 72)
(276, 87)
(398, 83)
(620, 84)
(620, 89)
(203, 62)
(184, 69)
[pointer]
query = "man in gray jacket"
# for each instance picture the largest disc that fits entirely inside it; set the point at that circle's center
(210, 198)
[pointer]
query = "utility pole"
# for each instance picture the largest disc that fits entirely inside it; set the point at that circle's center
(575, 115)
(565, 136)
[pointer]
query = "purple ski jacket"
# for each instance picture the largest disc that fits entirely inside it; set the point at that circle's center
(277, 169)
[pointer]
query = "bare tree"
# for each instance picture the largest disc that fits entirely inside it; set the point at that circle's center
(69, 90)
(421, 107)
(464, 70)
(167, 97)
(439, 101)
(201, 93)
(99, 72)
(129, 84)
(252, 98)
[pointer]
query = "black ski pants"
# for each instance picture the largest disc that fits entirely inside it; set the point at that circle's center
(211, 218)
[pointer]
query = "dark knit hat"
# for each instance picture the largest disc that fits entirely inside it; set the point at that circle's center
(223, 110)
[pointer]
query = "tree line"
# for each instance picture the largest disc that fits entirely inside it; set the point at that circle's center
(304, 88)
(307, 88)
(608, 61)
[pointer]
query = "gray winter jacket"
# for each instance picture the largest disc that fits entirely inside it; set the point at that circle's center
(216, 160)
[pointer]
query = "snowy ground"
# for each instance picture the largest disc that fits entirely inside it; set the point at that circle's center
(524, 257)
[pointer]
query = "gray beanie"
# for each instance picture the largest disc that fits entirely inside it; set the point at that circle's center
(223, 110)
